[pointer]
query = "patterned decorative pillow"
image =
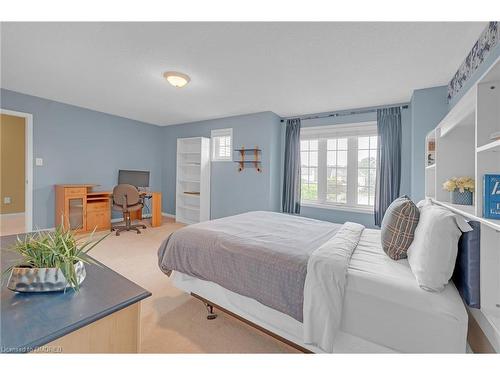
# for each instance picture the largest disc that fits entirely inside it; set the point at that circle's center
(398, 227)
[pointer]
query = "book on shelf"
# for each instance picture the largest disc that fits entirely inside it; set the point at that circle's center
(491, 196)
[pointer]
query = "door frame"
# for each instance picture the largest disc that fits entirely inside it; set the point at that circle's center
(28, 199)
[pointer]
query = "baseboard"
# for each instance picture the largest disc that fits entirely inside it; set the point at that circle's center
(44, 230)
(119, 219)
(115, 220)
(13, 214)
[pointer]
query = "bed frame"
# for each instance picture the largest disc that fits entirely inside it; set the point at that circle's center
(211, 315)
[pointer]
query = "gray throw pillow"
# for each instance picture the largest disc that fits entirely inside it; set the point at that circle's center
(398, 227)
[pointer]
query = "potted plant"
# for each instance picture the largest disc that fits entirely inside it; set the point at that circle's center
(461, 189)
(50, 261)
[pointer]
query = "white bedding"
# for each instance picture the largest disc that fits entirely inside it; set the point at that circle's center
(384, 309)
(384, 304)
(324, 286)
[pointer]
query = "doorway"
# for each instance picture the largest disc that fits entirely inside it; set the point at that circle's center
(16, 188)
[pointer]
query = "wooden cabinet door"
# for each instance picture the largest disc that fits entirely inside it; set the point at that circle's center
(75, 212)
(100, 220)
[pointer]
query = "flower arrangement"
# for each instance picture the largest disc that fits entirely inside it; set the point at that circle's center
(461, 184)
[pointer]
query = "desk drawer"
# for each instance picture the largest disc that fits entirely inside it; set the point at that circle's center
(97, 206)
(99, 220)
(75, 191)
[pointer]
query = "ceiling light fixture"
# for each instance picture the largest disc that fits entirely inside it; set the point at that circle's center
(177, 79)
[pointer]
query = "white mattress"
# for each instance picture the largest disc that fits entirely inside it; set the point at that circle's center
(384, 309)
(384, 304)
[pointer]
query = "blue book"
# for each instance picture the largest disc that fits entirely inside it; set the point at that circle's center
(491, 196)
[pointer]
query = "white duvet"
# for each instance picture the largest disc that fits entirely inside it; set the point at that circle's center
(325, 285)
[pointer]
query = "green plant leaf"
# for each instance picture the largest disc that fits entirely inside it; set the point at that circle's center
(58, 249)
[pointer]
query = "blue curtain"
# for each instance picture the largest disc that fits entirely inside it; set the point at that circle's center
(291, 178)
(388, 160)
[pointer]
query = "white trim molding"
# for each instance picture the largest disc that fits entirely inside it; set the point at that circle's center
(12, 214)
(28, 203)
(340, 130)
(217, 133)
(339, 207)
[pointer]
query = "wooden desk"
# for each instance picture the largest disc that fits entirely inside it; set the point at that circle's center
(103, 317)
(82, 209)
(155, 209)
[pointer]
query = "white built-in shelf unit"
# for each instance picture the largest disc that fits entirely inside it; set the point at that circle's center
(464, 147)
(192, 201)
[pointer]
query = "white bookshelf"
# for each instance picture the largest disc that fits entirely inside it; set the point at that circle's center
(192, 201)
(463, 147)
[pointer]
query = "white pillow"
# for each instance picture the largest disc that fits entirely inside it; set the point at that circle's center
(424, 202)
(433, 252)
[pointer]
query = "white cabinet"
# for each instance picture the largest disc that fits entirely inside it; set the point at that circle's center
(192, 201)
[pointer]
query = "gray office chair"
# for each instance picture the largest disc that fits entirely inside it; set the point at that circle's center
(126, 199)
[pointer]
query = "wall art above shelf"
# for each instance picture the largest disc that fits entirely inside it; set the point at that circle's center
(246, 152)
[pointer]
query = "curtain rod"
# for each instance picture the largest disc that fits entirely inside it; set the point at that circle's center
(344, 113)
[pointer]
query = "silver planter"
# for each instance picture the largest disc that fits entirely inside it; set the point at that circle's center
(26, 279)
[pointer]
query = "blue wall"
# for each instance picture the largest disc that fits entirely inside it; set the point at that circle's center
(82, 146)
(367, 219)
(428, 107)
(232, 192)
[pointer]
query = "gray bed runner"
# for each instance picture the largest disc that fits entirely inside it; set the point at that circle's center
(261, 255)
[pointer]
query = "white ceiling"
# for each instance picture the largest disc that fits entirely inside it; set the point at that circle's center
(236, 68)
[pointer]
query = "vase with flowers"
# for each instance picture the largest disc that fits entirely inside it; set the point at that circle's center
(461, 190)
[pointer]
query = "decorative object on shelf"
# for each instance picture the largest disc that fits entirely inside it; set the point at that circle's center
(487, 41)
(461, 189)
(491, 196)
(431, 152)
(50, 261)
(243, 153)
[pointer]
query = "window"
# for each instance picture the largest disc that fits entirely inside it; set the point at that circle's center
(339, 166)
(336, 166)
(367, 169)
(222, 144)
(309, 170)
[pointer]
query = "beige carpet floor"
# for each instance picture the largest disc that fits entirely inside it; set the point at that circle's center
(173, 321)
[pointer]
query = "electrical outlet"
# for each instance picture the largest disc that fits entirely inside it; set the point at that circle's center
(7, 200)
(39, 162)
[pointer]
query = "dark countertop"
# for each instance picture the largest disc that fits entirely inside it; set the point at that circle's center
(30, 320)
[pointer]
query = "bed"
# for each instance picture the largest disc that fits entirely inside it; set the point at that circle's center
(373, 303)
